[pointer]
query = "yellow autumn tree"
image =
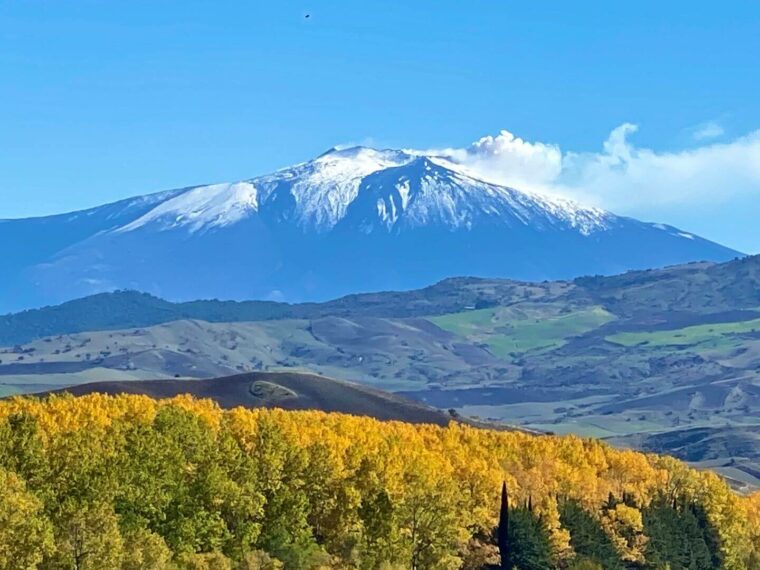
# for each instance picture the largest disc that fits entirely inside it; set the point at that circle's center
(25, 534)
(308, 489)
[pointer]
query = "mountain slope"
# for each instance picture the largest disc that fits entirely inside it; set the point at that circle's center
(350, 220)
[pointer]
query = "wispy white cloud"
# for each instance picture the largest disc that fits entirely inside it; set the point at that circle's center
(708, 131)
(622, 176)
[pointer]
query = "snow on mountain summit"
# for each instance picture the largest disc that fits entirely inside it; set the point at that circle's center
(369, 189)
(322, 189)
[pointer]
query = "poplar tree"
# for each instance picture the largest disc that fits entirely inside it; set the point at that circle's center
(503, 531)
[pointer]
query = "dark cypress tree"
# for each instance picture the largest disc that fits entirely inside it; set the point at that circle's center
(522, 538)
(587, 537)
(503, 530)
(676, 539)
(529, 543)
(709, 533)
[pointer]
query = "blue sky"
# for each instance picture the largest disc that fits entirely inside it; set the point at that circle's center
(102, 100)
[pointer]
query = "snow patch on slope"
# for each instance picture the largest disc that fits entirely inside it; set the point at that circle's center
(586, 219)
(201, 208)
(432, 191)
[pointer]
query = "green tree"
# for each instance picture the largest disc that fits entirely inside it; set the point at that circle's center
(379, 530)
(25, 533)
(709, 533)
(205, 561)
(87, 538)
(502, 531)
(259, 560)
(584, 564)
(333, 501)
(82, 469)
(675, 538)
(587, 537)
(151, 469)
(240, 501)
(145, 550)
(175, 481)
(21, 449)
(285, 530)
(427, 518)
(529, 542)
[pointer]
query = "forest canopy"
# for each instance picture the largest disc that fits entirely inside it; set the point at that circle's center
(127, 482)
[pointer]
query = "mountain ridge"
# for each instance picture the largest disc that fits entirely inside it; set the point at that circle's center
(728, 287)
(404, 218)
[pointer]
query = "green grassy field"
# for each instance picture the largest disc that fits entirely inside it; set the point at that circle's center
(709, 336)
(507, 333)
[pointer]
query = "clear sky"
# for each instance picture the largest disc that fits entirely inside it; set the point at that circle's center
(101, 100)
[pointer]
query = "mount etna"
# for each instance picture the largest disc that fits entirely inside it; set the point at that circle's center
(351, 220)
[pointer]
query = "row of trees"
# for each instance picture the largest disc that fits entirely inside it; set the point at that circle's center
(672, 536)
(127, 483)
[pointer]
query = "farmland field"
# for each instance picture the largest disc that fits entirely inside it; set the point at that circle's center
(507, 333)
(712, 335)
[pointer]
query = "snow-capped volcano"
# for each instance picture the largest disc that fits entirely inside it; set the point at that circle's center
(349, 220)
(370, 190)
